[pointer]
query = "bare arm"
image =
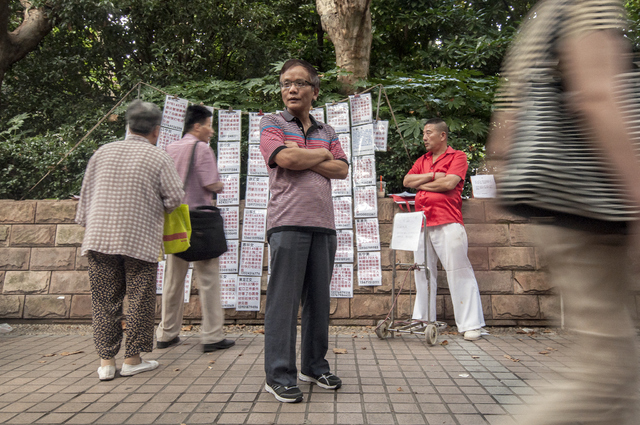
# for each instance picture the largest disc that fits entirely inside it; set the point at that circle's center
(414, 181)
(444, 184)
(215, 187)
(332, 169)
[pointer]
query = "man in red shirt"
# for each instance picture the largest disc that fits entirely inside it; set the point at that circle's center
(439, 176)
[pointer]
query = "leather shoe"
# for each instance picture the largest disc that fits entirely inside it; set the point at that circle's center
(220, 345)
(166, 344)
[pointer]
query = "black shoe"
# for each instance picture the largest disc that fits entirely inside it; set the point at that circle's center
(328, 380)
(167, 344)
(220, 345)
(285, 394)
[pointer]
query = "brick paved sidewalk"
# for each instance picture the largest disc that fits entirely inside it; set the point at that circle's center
(399, 380)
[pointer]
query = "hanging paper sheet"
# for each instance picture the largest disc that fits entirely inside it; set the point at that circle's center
(256, 166)
(361, 110)
(257, 195)
(231, 220)
(248, 294)
(228, 290)
(228, 262)
(367, 234)
(342, 210)
(380, 134)
(342, 281)
(251, 257)
(228, 157)
(254, 127)
(365, 202)
(341, 187)
(230, 194)
(369, 269)
(364, 170)
(318, 114)
(174, 112)
(229, 125)
(344, 252)
(362, 142)
(254, 224)
(338, 116)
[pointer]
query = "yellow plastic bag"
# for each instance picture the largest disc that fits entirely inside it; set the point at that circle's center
(177, 230)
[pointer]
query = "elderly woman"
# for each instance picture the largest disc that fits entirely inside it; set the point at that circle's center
(127, 187)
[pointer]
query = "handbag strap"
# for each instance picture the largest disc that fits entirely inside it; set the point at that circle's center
(193, 158)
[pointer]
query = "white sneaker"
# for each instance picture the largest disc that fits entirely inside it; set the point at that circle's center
(106, 373)
(145, 366)
(473, 335)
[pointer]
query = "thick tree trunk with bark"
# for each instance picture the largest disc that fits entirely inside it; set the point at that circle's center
(348, 23)
(16, 44)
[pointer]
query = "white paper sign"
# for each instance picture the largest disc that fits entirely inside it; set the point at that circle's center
(160, 276)
(338, 116)
(174, 112)
(231, 220)
(228, 289)
(341, 187)
(318, 114)
(406, 231)
(228, 262)
(367, 234)
(345, 144)
(257, 195)
(362, 142)
(253, 225)
(380, 134)
(251, 254)
(369, 269)
(248, 294)
(364, 170)
(361, 110)
(254, 127)
(342, 281)
(230, 194)
(365, 202)
(229, 125)
(484, 186)
(228, 157)
(187, 285)
(344, 252)
(342, 210)
(167, 136)
(257, 166)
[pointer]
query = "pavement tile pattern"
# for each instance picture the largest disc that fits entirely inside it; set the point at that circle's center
(399, 380)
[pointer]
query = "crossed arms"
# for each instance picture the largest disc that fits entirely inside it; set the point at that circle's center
(432, 182)
(319, 160)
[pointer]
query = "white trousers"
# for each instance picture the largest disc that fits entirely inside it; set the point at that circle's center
(207, 273)
(448, 242)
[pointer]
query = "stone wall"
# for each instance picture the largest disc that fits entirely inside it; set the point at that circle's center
(44, 278)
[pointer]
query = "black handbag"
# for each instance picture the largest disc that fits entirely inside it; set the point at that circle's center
(207, 229)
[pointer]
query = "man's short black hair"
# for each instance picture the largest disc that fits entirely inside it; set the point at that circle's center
(196, 114)
(313, 74)
(439, 123)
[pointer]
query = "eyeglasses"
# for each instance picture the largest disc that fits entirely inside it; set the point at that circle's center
(286, 85)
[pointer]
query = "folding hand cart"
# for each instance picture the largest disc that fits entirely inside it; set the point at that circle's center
(405, 228)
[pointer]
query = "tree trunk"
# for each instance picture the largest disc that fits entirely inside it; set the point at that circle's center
(348, 23)
(17, 44)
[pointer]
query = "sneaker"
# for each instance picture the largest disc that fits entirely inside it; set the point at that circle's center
(166, 344)
(473, 335)
(145, 366)
(328, 380)
(285, 394)
(220, 345)
(106, 373)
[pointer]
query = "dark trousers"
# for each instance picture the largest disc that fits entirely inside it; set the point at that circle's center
(301, 268)
(111, 276)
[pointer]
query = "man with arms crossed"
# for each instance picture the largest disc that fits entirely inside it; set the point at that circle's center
(302, 156)
(203, 182)
(439, 177)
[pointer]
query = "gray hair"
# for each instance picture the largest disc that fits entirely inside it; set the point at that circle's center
(143, 117)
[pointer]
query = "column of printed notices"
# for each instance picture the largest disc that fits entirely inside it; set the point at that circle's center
(254, 222)
(365, 201)
(229, 133)
(342, 192)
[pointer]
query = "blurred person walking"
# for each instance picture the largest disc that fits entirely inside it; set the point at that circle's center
(566, 156)
(127, 187)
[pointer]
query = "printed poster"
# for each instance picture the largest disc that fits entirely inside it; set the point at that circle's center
(167, 136)
(362, 140)
(160, 276)
(345, 143)
(364, 170)
(230, 194)
(318, 114)
(228, 157)
(256, 166)
(361, 109)
(338, 116)
(341, 187)
(228, 262)
(365, 202)
(380, 134)
(229, 125)
(251, 254)
(344, 252)
(369, 269)
(342, 281)
(367, 234)
(484, 186)
(342, 210)
(254, 127)
(174, 112)
(231, 220)
(254, 226)
(228, 288)
(257, 194)
(187, 285)
(248, 294)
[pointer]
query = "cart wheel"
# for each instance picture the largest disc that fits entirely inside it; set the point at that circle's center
(382, 330)
(431, 334)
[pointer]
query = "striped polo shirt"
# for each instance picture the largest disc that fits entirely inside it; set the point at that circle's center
(300, 200)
